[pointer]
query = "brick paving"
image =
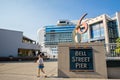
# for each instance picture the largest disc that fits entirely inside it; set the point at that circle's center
(28, 71)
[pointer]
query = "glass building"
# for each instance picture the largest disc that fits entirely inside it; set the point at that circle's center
(100, 29)
(60, 33)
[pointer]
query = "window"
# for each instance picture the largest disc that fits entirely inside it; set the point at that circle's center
(97, 30)
(112, 31)
(62, 21)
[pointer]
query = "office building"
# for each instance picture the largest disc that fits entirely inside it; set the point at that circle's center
(54, 34)
(102, 28)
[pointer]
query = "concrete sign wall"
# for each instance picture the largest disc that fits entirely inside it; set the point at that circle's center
(85, 60)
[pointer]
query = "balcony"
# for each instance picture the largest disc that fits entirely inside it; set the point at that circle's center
(30, 46)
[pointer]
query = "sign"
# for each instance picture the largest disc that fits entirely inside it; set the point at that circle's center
(81, 59)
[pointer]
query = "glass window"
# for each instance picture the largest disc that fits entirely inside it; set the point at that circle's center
(102, 32)
(112, 31)
(85, 36)
(97, 30)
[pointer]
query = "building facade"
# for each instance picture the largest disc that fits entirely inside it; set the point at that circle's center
(13, 43)
(55, 34)
(100, 29)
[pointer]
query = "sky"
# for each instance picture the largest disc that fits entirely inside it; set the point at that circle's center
(30, 15)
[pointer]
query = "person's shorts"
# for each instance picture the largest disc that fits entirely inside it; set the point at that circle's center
(41, 66)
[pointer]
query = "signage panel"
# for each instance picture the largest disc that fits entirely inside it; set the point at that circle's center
(81, 59)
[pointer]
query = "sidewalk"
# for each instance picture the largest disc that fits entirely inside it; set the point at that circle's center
(28, 71)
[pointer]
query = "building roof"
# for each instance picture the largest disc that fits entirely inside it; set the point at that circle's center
(28, 38)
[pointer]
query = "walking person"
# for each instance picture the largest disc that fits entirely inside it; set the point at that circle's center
(40, 65)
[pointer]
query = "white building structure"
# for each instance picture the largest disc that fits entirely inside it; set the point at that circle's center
(41, 38)
(13, 43)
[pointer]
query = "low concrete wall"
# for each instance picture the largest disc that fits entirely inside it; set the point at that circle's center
(113, 69)
(113, 72)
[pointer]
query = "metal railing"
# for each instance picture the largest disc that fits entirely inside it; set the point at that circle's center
(113, 50)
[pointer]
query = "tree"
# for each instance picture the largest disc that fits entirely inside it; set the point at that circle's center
(117, 50)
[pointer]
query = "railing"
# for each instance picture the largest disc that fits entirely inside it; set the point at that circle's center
(30, 46)
(113, 50)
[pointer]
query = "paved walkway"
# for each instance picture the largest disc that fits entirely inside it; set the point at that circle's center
(28, 71)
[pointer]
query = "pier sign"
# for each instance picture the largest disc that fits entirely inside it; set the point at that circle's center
(81, 59)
